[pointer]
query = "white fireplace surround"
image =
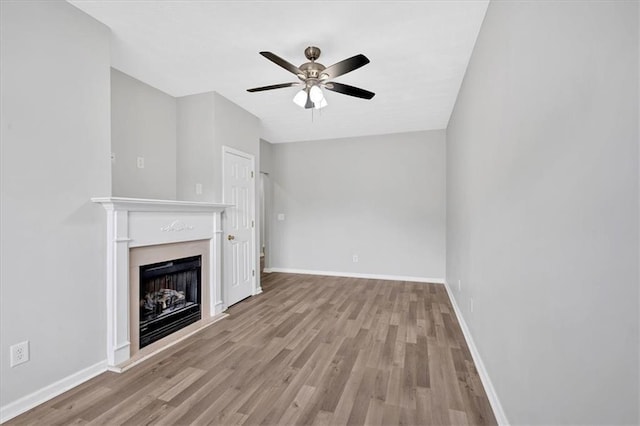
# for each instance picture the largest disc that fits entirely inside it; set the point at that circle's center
(135, 222)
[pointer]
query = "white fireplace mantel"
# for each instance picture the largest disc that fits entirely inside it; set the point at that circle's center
(137, 222)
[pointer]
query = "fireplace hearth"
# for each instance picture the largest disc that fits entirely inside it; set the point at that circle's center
(170, 297)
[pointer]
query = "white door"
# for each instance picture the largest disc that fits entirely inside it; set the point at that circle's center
(239, 240)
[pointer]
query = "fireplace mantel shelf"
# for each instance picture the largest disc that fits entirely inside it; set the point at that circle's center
(147, 204)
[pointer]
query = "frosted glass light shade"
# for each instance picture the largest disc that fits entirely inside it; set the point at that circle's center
(300, 98)
(316, 94)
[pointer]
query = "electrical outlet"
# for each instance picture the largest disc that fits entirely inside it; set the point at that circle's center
(471, 304)
(459, 285)
(19, 353)
(140, 162)
(355, 258)
(198, 189)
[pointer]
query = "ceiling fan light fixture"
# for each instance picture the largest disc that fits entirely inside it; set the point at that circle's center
(314, 75)
(300, 98)
(315, 93)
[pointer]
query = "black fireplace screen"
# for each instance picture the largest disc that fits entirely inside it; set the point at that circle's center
(170, 297)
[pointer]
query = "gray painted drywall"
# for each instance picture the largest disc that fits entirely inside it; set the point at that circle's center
(194, 148)
(542, 225)
(236, 128)
(55, 148)
(379, 197)
(266, 156)
(143, 124)
(266, 198)
(206, 122)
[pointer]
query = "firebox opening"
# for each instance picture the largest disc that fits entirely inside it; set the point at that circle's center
(170, 297)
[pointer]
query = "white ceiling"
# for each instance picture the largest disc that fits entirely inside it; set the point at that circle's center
(419, 52)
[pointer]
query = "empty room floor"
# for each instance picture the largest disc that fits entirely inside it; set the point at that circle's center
(308, 350)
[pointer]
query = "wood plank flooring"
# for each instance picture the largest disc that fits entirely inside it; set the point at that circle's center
(310, 350)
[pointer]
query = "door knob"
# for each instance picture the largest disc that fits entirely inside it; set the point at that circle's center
(230, 237)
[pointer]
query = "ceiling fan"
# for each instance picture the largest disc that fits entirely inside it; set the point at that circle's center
(314, 75)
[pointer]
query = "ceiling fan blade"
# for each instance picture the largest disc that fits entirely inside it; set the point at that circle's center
(284, 64)
(343, 67)
(345, 89)
(273, 86)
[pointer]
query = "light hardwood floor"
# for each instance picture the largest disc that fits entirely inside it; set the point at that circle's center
(309, 350)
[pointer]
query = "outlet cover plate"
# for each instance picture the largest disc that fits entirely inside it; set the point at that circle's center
(19, 353)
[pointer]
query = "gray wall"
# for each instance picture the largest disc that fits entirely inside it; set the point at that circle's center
(143, 124)
(266, 198)
(266, 156)
(55, 157)
(380, 197)
(206, 123)
(236, 128)
(195, 148)
(542, 225)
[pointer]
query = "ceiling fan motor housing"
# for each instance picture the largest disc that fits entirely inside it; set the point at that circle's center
(312, 70)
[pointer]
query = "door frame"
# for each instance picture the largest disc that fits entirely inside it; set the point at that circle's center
(256, 289)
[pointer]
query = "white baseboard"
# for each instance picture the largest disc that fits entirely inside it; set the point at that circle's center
(356, 275)
(482, 371)
(218, 308)
(36, 398)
